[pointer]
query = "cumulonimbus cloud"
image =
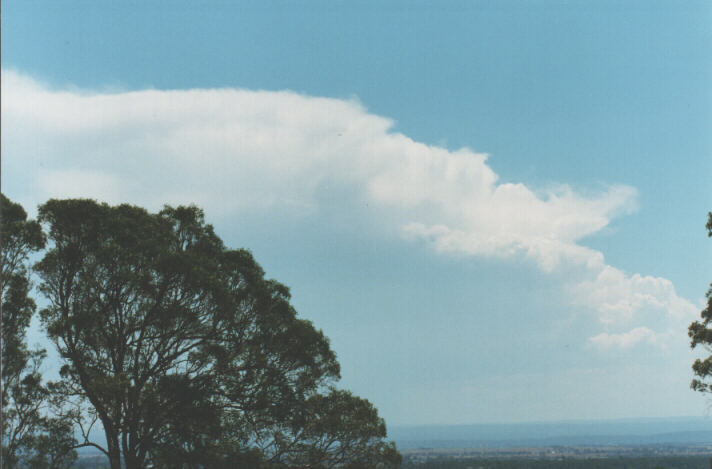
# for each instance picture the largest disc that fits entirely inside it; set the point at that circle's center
(232, 149)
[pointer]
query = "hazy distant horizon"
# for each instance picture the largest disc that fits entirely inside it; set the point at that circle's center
(639, 431)
(681, 418)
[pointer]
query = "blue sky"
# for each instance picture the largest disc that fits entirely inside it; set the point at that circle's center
(344, 145)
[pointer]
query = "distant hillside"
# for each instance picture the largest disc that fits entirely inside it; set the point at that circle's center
(679, 430)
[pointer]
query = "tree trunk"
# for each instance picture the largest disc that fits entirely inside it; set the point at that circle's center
(114, 457)
(112, 442)
(131, 459)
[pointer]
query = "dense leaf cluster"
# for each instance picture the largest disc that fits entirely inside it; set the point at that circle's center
(185, 354)
(700, 333)
(30, 437)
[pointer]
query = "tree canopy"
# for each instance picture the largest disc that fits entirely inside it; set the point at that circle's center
(700, 333)
(185, 353)
(30, 436)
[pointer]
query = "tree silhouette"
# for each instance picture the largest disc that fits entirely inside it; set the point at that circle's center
(29, 435)
(700, 333)
(185, 353)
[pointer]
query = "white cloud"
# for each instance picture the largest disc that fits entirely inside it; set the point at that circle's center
(627, 339)
(620, 297)
(229, 150)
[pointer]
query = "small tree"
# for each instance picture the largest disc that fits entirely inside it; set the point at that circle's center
(29, 434)
(183, 350)
(700, 333)
(331, 430)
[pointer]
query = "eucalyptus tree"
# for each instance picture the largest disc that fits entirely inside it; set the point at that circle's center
(27, 425)
(334, 429)
(700, 333)
(181, 348)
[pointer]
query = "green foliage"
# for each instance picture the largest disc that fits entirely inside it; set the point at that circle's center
(31, 438)
(183, 350)
(19, 238)
(53, 446)
(334, 430)
(700, 333)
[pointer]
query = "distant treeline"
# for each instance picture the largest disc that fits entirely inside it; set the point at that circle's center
(668, 462)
